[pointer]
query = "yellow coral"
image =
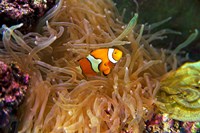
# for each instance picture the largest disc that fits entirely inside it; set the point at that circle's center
(180, 93)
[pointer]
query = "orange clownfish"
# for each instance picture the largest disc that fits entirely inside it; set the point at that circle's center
(100, 60)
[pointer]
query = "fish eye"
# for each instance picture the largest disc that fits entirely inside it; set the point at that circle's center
(105, 64)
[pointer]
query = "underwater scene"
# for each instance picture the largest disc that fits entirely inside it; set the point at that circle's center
(99, 66)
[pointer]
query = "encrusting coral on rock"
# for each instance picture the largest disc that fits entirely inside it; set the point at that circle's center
(13, 86)
(23, 11)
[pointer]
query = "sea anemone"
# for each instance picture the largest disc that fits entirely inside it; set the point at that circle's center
(60, 98)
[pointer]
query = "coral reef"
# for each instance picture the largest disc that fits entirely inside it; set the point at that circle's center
(162, 123)
(62, 99)
(23, 11)
(179, 95)
(13, 86)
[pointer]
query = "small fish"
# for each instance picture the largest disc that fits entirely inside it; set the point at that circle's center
(100, 60)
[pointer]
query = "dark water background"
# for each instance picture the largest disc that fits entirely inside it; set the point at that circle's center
(185, 18)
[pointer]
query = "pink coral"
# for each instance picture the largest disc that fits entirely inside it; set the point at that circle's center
(13, 87)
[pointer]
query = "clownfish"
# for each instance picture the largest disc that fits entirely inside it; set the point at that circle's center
(100, 60)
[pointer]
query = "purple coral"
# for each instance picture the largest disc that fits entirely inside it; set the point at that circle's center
(162, 123)
(23, 11)
(13, 87)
